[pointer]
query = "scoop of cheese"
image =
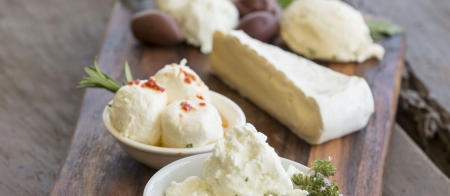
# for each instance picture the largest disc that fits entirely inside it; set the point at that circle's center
(136, 109)
(329, 30)
(244, 164)
(190, 123)
(182, 83)
(315, 102)
(198, 19)
(191, 186)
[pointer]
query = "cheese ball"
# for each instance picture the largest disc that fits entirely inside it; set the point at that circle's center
(190, 123)
(329, 30)
(182, 83)
(135, 111)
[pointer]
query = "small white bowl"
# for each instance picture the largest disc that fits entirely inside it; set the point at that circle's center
(157, 157)
(190, 166)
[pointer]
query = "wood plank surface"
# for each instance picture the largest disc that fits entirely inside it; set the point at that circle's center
(94, 156)
(44, 45)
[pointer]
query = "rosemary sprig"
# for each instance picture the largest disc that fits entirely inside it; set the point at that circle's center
(98, 79)
(316, 181)
(378, 28)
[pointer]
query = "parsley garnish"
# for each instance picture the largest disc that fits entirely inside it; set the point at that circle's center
(316, 181)
(189, 145)
(246, 179)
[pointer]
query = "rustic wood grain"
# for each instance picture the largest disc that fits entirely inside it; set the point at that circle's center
(43, 47)
(410, 172)
(360, 157)
(46, 43)
(426, 23)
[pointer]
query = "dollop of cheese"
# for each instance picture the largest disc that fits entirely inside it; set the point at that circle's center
(199, 19)
(328, 30)
(191, 186)
(182, 83)
(244, 164)
(190, 123)
(135, 112)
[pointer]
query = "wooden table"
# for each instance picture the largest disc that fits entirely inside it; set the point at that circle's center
(45, 44)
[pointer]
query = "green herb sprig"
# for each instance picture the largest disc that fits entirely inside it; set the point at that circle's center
(380, 28)
(284, 3)
(316, 181)
(98, 79)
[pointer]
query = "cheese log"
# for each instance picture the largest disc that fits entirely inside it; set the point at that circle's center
(315, 102)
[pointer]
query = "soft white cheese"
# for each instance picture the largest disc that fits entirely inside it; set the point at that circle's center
(329, 30)
(182, 83)
(244, 164)
(190, 122)
(315, 102)
(135, 112)
(191, 186)
(198, 19)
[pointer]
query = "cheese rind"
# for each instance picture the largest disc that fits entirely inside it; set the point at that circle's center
(315, 102)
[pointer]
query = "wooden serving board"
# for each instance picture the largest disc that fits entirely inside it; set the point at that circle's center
(96, 165)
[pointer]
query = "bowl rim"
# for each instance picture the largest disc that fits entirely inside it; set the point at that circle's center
(164, 150)
(203, 157)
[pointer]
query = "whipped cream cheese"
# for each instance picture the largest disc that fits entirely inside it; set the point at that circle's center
(182, 83)
(315, 102)
(190, 123)
(244, 164)
(191, 186)
(199, 19)
(329, 30)
(136, 109)
(241, 164)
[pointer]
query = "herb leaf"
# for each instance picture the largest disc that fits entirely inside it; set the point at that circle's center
(378, 28)
(284, 3)
(316, 181)
(128, 75)
(98, 79)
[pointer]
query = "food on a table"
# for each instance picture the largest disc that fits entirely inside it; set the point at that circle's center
(190, 123)
(315, 102)
(329, 30)
(260, 25)
(142, 111)
(156, 27)
(198, 19)
(248, 6)
(136, 110)
(244, 164)
(182, 83)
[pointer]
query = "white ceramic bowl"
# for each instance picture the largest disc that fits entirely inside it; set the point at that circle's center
(190, 166)
(158, 157)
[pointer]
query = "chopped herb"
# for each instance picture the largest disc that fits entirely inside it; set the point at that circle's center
(189, 145)
(109, 105)
(333, 57)
(380, 28)
(316, 181)
(246, 179)
(311, 52)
